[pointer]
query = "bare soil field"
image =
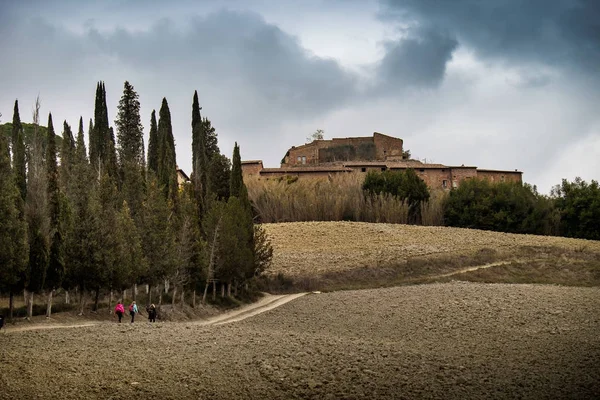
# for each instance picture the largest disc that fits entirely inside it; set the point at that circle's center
(447, 341)
(342, 255)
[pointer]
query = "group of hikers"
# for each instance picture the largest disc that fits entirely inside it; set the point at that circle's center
(133, 309)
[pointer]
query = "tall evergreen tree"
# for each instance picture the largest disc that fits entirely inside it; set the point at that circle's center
(167, 167)
(56, 268)
(236, 183)
(130, 148)
(13, 230)
(67, 153)
(36, 211)
(153, 145)
(80, 151)
(156, 233)
(82, 244)
(199, 156)
(102, 141)
(18, 148)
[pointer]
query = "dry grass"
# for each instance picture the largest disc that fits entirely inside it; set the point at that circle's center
(340, 198)
(335, 255)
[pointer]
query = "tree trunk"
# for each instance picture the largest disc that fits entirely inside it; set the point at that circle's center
(67, 298)
(205, 292)
(110, 300)
(49, 304)
(222, 290)
(11, 306)
(229, 289)
(81, 301)
(214, 290)
(149, 292)
(235, 289)
(182, 297)
(96, 300)
(124, 295)
(25, 297)
(194, 299)
(160, 292)
(173, 298)
(135, 292)
(29, 305)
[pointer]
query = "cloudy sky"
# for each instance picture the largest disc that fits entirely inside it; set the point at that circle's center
(498, 84)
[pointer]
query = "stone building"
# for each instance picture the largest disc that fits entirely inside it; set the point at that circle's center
(324, 158)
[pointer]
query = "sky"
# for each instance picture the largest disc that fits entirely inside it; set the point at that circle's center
(498, 84)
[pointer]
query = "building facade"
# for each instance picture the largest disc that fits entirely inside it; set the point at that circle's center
(325, 158)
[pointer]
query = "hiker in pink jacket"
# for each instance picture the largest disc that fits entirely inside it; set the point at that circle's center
(119, 310)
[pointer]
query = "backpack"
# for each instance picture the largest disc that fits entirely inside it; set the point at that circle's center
(131, 308)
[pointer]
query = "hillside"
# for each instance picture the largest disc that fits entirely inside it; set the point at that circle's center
(334, 255)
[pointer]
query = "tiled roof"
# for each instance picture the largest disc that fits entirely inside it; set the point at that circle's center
(306, 169)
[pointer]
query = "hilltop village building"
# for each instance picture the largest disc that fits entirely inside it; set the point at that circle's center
(359, 155)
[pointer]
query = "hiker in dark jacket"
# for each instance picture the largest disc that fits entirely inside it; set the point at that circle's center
(151, 313)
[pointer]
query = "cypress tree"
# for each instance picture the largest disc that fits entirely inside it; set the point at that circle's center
(56, 268)
(18, 146)
(153, 145)
(236, 183)
(67, 153)
(130, 148)
(13, 229)
(82, 245)
(36, 211)
(80, 151)
(157, 237)
(102, 141)
(52, 182)
(167, 167)
(199, 160)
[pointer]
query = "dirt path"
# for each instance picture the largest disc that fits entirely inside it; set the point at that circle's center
(44, 326)
(266, 303)
(471, 269)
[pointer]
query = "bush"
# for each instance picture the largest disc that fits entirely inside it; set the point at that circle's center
(504, 207)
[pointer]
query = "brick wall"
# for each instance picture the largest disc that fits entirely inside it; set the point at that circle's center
(500, 176)
(387, 146)
(251, 167)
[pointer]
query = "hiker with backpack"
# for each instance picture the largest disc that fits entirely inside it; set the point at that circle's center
(119, 310)
(133, 309)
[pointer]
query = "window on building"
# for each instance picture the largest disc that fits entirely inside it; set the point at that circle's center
(454, 184)
(444, 184)
(363, 169)
(299, 159)
(421, 170)
(303, 159)
(502, 178)
(383, 168)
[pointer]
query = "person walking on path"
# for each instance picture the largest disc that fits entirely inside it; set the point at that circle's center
(133, 309)
(151, 313)
(119, 310)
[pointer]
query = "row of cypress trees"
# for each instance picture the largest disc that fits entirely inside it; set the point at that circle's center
(111, 218)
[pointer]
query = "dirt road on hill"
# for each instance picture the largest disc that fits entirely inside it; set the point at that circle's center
(266, 303)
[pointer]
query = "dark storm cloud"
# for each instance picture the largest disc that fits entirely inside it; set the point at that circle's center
(419, 60)
(240, 46)
(553, 32)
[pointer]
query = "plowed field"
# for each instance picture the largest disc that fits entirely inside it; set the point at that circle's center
(314, 248)
(442, 341)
